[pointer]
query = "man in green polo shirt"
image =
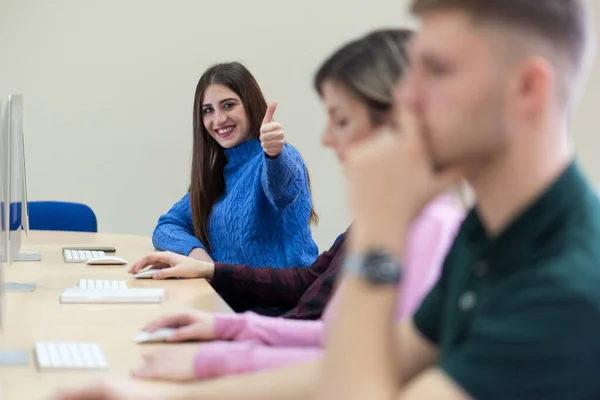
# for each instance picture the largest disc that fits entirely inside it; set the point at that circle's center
(516, 312)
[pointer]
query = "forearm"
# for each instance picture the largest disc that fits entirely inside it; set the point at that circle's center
(294, 382)
(283, 178)
(360, 352)
(201, 255)
(360, 344)
(175, 230)
(169, 236)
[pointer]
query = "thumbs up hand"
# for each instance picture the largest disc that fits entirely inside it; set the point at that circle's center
(272, 137)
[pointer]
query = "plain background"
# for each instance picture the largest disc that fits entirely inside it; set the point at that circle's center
(109, 89)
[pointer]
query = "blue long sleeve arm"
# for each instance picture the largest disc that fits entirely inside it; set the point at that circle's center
(284, 177)
(175, 230)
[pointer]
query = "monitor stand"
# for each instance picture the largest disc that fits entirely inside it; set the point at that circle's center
(24, 257)
(28, 257)
(13, 358)
(18, 287)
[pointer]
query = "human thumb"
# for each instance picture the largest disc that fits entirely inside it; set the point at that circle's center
(270, 113)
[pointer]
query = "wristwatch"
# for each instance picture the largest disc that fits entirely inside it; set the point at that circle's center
(377, 267)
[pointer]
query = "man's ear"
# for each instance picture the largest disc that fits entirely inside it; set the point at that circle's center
(533, 86)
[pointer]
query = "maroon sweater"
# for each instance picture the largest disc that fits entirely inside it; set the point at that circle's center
(302, 291)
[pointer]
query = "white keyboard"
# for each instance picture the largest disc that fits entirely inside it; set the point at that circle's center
(96, 284)
(69, 355)
(81, 256)
(129, 295)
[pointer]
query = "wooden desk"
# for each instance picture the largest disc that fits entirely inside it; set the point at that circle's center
(39, 316)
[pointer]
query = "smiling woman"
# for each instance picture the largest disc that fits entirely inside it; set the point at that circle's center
(249, 200)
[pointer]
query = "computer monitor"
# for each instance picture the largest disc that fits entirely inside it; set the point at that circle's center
(15, 176)
(8, 356)
(3, 224)
(14, 199)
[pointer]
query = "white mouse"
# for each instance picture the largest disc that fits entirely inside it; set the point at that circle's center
(146, 274)
(107, 260)
(159, 335)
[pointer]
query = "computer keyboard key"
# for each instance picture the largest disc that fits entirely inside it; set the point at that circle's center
(55, 360)
(42, 355)
(76, 353)
(98, 355)
(86, 354)
(65, 355)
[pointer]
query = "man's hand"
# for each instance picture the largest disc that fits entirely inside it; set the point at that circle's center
(391, 178)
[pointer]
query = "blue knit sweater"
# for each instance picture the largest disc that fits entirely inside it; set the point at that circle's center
(262, 219)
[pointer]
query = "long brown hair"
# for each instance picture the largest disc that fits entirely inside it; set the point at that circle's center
(208, 160)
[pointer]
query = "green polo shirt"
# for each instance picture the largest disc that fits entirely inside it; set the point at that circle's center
(517, 316)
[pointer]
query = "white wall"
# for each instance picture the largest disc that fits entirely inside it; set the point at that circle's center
(109, 88)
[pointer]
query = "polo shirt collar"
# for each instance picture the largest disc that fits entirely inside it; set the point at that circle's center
(522, 237)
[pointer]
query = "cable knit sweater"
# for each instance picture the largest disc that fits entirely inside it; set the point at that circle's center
(261, 219)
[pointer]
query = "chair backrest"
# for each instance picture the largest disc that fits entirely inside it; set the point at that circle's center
(61, 216)
(338, 238)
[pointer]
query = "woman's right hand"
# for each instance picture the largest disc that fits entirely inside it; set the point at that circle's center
(188, 325)
(172, 265)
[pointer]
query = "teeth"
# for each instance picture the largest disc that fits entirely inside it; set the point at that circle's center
(224, 131)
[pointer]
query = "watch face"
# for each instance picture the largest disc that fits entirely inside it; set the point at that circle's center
(380, 268)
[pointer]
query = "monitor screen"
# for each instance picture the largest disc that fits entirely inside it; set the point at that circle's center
(15, 175)
(4, 181)
(4, 200)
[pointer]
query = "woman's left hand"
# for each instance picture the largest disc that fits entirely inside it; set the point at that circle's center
(172, 363)
(272, 137)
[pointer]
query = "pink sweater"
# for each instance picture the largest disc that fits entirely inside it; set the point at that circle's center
(250, 342)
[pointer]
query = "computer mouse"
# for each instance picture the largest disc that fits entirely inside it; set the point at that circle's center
(146, 274)
(160, 335)
(107, 260)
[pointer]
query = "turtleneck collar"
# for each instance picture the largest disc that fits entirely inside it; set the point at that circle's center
(243, 152)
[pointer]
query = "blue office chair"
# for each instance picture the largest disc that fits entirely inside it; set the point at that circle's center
(61, 216)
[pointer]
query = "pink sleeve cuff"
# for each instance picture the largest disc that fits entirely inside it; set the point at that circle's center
(229, 326)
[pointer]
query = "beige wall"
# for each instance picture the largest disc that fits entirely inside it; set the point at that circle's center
(114, 80)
